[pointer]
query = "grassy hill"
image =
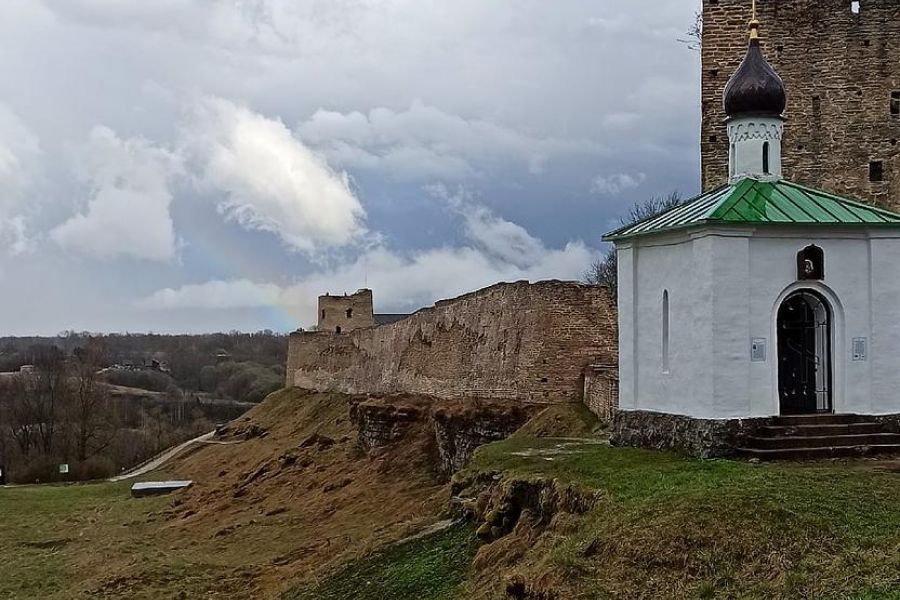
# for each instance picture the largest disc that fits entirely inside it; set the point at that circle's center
(286, 506)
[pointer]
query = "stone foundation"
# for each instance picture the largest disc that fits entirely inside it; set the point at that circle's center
(703, 438)
(891, 422)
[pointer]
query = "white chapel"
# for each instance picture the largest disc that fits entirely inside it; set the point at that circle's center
(760, 305)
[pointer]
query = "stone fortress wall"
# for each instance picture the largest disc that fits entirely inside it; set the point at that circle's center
(842, 72)
(511, 341)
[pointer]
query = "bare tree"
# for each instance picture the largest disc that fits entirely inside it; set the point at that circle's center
(90, 416)
(694, 36)
(604, 271)
(45, 394)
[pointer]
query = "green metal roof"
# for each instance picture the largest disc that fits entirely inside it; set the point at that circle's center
(749, 201)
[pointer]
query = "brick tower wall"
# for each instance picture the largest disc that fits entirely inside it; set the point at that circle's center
(348, 313)
(841, 70)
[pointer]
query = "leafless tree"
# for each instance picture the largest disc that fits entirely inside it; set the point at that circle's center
(45, 394)
(694, 36)
(604, 270)
(91, 415)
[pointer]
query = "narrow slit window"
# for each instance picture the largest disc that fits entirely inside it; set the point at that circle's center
(895, 103)
(349, 313)
(732, 165)
(665, 332)
(855, 7)
(323, 313)
(766, 158)
(876, 171)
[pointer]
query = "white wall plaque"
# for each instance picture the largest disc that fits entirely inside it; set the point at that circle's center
(758, 350)
(860, 349)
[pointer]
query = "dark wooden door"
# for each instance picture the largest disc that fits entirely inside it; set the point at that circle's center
(804, 355)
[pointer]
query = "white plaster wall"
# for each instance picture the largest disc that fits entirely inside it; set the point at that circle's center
(625, 255)
(747, 137)
(725, 288)
(677, 265)
(884, 345)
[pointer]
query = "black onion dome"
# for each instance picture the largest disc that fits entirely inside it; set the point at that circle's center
(755, 89)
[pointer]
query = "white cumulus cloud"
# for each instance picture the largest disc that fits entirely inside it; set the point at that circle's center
(127, 213)
(268, 180)
(497, 251)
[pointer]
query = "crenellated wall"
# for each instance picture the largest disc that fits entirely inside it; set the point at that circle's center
(511, 341)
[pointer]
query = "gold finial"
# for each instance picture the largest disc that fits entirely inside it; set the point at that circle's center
(754, 24)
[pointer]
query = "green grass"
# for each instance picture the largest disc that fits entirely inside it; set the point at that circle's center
(671, 526)
(430, 568)
(42, 529)
(664, 526)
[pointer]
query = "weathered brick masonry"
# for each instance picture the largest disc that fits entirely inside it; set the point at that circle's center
(842, 72)
(512, 341)
(346, 313)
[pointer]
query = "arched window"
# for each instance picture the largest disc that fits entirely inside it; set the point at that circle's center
(665, 332)
(731, 161)
(811, 264)
(766, 158)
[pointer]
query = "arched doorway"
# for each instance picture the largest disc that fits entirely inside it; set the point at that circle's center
(804, 354)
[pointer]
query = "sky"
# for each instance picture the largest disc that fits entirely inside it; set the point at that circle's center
(215, 165)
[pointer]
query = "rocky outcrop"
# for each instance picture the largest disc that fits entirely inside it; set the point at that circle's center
(703, 438)
(459, 434)
(501, 504)
(459, 428)
(381, 424)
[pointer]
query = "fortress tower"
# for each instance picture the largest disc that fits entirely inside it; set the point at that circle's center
(343, 314)
(840, 62)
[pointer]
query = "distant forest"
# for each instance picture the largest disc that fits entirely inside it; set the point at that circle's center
(244, 367)
(80, 406)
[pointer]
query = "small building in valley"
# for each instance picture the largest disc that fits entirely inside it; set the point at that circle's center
(759, 305)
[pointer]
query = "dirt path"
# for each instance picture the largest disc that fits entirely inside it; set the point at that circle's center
(162, 459)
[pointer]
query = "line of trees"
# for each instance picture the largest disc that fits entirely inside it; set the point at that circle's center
(238, 366)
